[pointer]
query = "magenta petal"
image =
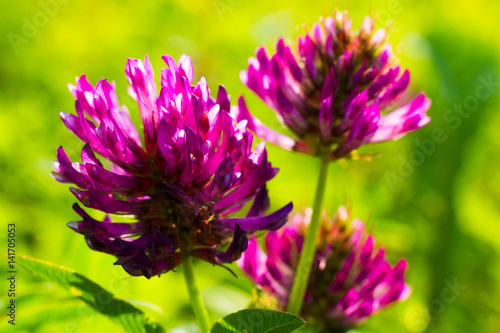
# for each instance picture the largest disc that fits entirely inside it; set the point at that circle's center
(349, 299)
(252, 260)
(383, 81)
(260, 203)
(65, 172)
(186, 67)
(262, 131)
(267, 222)
(223, 99)
(354, 111)
(92, 227)
(395, 91)
(73, 124)
(339, 281)
(223, 177)
(326, 119)
(235, 249)
(141, 79)
(408, 118)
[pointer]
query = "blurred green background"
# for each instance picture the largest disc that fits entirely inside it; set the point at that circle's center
(438, 206)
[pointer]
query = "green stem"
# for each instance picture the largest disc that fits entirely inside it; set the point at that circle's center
(309, 249)
(194, 295)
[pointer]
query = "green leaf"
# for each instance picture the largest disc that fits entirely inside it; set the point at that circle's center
(258, 321)
(120, 311)
(52, 312)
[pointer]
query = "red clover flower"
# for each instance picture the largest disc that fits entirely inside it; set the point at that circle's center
(195, 169)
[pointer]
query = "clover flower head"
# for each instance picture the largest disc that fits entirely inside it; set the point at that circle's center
(334, 89)
(196, 168)
(350, 278)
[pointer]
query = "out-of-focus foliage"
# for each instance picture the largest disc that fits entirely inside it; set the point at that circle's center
(433, 196)
(123, 313)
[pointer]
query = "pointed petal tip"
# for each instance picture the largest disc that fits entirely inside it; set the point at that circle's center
(73, 225)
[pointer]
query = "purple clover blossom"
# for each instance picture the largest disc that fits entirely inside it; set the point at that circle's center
(350, 278)
(196, 168)
(335, 87)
